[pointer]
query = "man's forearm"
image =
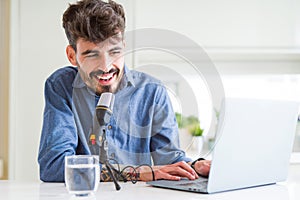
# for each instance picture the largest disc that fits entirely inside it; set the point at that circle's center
(129, 173)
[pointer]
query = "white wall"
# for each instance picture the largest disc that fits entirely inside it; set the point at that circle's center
(241, 37)
(38, 48)
(230, 23)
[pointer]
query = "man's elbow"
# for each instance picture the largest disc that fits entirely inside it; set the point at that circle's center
(51, 177)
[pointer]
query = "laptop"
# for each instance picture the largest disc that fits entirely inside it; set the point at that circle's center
(253, 145)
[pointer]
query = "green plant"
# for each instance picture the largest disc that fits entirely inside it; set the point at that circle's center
(191, 123)
(196, 130)
(182, 121)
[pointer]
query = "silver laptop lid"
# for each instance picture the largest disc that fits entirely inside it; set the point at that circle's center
(254, 143)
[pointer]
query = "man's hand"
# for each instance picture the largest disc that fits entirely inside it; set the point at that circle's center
(170, 172)
(202, 167)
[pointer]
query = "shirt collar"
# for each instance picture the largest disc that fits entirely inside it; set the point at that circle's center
(127, 79)
(78, 82)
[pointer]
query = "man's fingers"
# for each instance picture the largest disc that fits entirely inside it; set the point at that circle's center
(180, 169)
(188, 168)
(166, 176)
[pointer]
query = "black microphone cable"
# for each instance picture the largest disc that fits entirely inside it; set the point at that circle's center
(133, 175)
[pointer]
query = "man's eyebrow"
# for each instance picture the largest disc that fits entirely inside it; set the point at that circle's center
(89, 51)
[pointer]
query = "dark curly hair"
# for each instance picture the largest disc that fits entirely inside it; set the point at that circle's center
(93, 21)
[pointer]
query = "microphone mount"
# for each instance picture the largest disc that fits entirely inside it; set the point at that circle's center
(103, 114)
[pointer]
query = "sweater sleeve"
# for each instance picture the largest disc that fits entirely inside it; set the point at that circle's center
(165, 139)
(59, 135)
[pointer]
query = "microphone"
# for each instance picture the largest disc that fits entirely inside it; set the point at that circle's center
(104, 108)
(103, 114)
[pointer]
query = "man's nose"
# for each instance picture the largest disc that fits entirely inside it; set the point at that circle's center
(105, 64)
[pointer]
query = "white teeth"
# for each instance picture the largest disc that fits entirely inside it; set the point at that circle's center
(105, 78)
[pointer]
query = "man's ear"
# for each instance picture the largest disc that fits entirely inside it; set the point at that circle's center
(71, 55)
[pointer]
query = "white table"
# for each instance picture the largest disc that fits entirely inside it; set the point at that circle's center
(13, 190)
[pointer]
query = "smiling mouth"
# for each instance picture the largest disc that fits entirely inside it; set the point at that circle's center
(105, 78)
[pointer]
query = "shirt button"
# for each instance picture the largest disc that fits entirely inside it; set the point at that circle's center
(109, 127)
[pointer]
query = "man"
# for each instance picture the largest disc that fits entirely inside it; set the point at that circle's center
(143, 127)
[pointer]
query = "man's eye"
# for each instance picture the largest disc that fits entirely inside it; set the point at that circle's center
(115, 52)
(91, 55)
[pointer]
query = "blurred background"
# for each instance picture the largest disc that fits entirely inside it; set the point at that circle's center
(253, 44)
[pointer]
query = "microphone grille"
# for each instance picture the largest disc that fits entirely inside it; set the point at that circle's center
(107, 100)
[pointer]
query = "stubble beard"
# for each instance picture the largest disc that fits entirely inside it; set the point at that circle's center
(99, 89)
(93, 84)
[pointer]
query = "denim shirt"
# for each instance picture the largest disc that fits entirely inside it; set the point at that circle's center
(142, 129)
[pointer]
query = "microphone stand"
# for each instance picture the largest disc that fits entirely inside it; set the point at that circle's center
(103, 114)
(103, 158)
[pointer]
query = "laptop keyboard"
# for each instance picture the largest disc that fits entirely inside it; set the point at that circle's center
(198, 185)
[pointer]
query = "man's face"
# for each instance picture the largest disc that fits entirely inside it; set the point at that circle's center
(101, 65)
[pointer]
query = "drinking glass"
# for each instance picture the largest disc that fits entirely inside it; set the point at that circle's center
(82, 174)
